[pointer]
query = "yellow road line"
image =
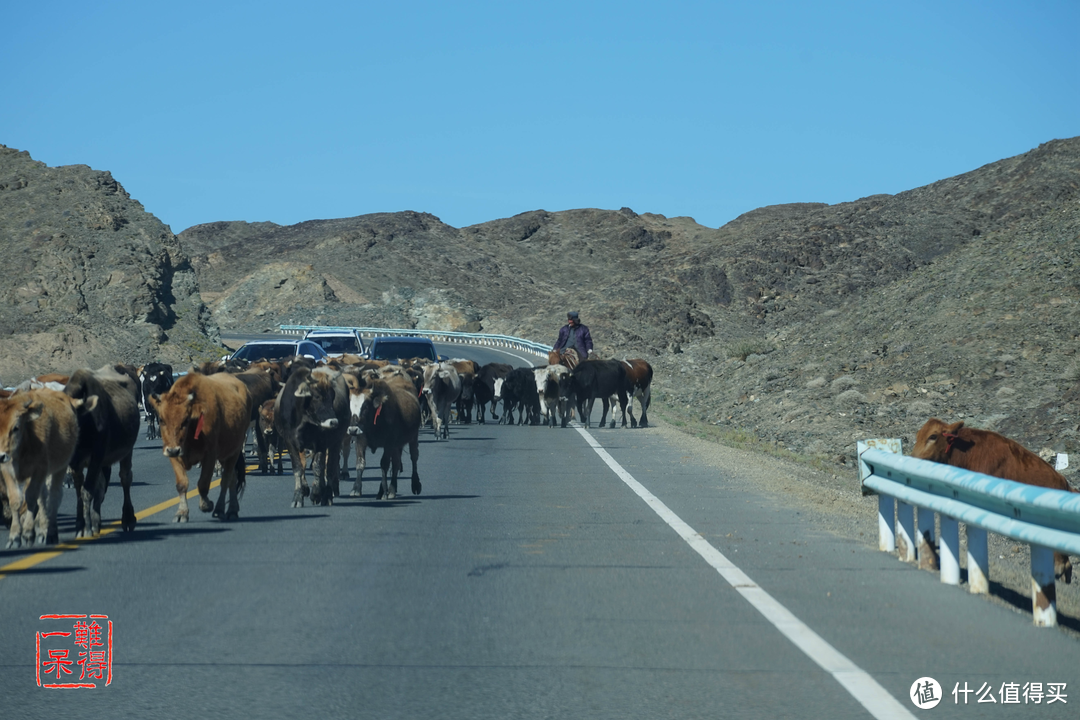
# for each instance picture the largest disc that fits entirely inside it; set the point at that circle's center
(37, 558)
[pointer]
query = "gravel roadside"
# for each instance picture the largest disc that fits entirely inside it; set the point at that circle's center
(835, 503)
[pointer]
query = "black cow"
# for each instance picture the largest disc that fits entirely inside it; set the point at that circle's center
(312, 413)
(519, 392)
(484, 388)
(107, 435)
(154, 379)
(595, 379)
(386, 414)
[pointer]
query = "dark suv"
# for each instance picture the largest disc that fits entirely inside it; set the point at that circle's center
(402, 348)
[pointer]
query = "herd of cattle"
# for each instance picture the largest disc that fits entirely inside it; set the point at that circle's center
(85, 423)
(89, 421)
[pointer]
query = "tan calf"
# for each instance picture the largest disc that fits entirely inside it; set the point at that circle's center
(38, 433)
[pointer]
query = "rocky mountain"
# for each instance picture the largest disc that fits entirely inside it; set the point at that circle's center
(89, 276)
(795, 329)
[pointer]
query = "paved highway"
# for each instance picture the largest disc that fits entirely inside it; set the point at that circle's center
(554, 573)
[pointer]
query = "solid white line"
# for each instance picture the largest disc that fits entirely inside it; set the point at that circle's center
(856, 681)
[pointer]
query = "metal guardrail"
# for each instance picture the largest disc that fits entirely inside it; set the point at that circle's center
(504, 341)
(1049, 520)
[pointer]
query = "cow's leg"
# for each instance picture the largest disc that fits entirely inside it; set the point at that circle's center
(396, 466)
(206, 474)
(318, 478)
(52, 496)
(98, 498)
(300, 488)
(127, 518)
(236, 488)
(181, 489)
(38, 505)
(230, 483)
(15, 502)
(86, 487)
(621, 397)
(264, 451)
(333, 469)
(77, 481)
(414, 455)
(586, 411)
(646, 399)
(630, 409)
(346, 445)
(361, 461)
(389, 491)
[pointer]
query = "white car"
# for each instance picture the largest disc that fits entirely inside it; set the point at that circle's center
(336, 342)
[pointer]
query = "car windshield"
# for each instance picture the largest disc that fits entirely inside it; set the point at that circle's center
(337, 344)
(268, 351)
(393, 350)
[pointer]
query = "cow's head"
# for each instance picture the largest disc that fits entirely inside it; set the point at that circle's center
(316, 393)
(20, 411)
(266, 417)
(16, 414)
(935, 440)
(356, 383)
(181, 416)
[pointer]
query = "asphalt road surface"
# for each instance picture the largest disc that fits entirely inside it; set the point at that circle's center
(547, 573)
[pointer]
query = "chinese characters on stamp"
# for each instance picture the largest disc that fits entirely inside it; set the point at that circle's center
(74, 651)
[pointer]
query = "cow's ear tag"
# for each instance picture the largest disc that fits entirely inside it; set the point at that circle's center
(199, 427)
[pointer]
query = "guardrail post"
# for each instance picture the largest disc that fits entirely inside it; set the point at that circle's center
(905, 531)
(924, 539)
(886, 517)
(1043, 591)
(978, 561)
(950, 551)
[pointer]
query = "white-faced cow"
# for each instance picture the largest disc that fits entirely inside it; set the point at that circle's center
(386, 414)
(488, 388)
(204, 421)
(312, 413)
(154, 379)
(107, 436)
(442, 386)
(38, 433)
(547, 388)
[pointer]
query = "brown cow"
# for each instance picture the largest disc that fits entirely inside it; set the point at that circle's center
(38, 433)
(989, 453)
(204, 420)
(269, 446)
(638, 385)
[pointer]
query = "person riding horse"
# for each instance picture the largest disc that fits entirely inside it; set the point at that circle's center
(574, 339)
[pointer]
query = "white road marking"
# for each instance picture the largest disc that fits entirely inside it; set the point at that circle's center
(854, 679)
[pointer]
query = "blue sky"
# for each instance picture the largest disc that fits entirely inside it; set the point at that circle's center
(474, 111)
